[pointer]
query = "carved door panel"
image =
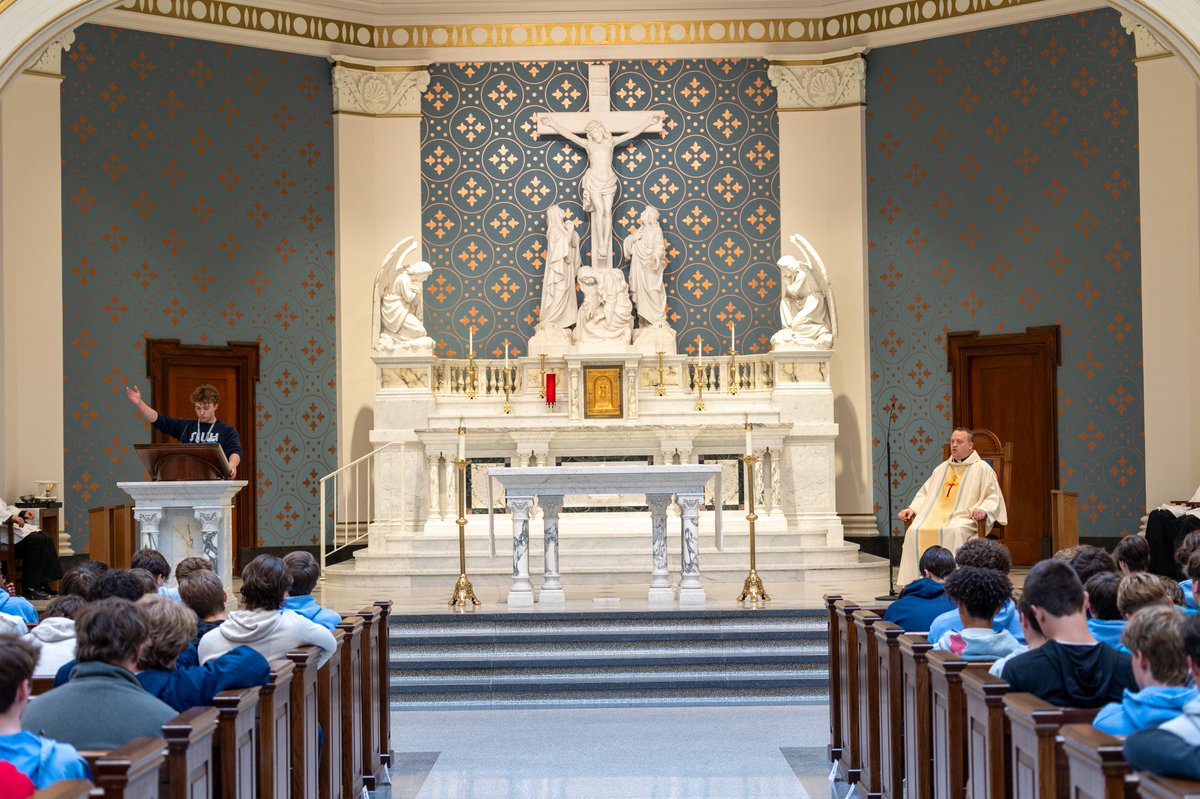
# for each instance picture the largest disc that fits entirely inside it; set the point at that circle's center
(1008, 384)
(175, 370)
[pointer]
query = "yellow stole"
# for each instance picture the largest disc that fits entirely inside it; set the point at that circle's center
(941, 507)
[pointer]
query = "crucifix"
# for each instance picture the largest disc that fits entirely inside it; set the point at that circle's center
(602, 130)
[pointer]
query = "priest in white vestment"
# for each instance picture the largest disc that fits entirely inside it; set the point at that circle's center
(959, 493)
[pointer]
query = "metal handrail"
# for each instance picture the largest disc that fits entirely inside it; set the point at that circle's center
(361, 495)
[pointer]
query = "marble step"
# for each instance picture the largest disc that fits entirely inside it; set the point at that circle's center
(617, 697)
(597, 655)
(568, 627)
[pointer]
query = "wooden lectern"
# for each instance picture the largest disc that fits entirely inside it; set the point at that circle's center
(184, 461)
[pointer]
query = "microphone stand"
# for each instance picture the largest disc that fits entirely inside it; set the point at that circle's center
(891, 594)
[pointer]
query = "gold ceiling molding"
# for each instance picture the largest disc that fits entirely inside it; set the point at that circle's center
(567, 34)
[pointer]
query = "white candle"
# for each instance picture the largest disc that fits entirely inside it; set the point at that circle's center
(733, 336)
(471, 345)
(749, 444)
(462, 441)
(700, 358)
(506, 357)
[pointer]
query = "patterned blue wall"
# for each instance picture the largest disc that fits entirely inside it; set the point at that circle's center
(487, 179)
(1003, 176)
(198, 205)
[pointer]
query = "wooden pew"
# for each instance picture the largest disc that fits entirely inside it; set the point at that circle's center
(305, 753)
(66, 789)
(1038, 763)
(988, 735)
(329, 715)
(891, 709)
(384, 653)
(371, 689)
(948, 717)
(834, 749)
(275, 733)
(352, 707)
(918, 749)
(866, 656)
(1152, 787)
(850, 762)
(130, 771)
(236, 746)
(190, 768)
(1096, 764)
(41, 685)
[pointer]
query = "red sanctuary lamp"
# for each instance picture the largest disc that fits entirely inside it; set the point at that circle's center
(550, 390)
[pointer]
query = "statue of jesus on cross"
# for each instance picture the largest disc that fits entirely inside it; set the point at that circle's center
(602, 130)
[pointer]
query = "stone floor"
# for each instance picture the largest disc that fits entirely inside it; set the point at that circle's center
(764, 752)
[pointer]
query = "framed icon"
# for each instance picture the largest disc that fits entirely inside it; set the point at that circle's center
(602, 392)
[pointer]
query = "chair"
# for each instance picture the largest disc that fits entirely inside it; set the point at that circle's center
(999, 457)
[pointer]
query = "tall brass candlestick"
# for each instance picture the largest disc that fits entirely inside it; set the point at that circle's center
(542, 370)
(662, 389)
(507, 389)
(463, 592)
(733, 377)
(753, 588)
(472, 376)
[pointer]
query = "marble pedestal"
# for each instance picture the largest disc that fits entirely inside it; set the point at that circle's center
(187, 517)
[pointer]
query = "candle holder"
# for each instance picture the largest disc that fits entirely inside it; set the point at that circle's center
(662, 389)
(733, 370)
(699, 386)
(753, 588)
(542, 376)
(463, 591)
(472, 377)
(507, 389)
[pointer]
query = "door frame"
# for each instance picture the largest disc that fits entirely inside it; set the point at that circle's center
(1044, 342)
(242, 357)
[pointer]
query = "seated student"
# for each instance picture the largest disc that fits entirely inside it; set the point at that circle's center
(172, 625)
(1088, 561)
(983, 553)
(1190, 545)
(1173, 748)
(13, 624)
(1071, 669)
(103, 706)
(1104, 616)
(1155, 637)
(121, 583)
(18, 606)
(1141, 590)
(78, 582)
(305, 570)
(263, 623)
(189, 566)
(153, 561)
(1033, 638)
(1132, 554)
(55, 636)
(203, 593)
(42, 760)
(979, 594)
(923, 599)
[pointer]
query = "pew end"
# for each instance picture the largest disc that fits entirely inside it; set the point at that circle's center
(1096, 764)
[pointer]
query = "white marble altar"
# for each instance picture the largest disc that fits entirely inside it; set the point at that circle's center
(181, 518)
(548, 486)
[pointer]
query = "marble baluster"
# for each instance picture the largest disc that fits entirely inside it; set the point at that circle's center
(691, 592)
(148, 521)
(552, 590)
(776, 483)
(435, 489)
(451, 500)
(521, 593)
(660, 576)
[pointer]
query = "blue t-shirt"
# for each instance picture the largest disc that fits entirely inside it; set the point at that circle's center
(42, 760)
(307, 607)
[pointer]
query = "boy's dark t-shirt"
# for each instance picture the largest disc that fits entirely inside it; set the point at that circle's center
(193, 431)
(1072, 675)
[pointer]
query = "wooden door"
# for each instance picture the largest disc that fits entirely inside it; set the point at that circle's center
(175, 370)
(1008, 384)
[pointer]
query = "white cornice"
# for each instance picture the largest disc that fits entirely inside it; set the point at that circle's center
(1146, 44)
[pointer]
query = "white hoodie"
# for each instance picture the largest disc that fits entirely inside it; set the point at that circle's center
(55, 638)
(271, 633)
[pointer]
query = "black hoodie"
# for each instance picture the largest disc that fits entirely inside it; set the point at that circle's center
(1072, 675)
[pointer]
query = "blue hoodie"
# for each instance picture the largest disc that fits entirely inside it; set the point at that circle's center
(1189, 599)
(919, 604)
(42, 760)
(978, 644)
(1006, 619)
(195, 686)
(1108, 631)
(18, 606)
(307, 607)
(1147, 708)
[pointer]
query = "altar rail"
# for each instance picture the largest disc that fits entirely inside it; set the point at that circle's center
(461, 377)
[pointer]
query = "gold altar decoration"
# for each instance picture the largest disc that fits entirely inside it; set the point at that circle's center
(602, 392)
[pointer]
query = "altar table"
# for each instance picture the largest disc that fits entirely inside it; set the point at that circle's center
(548, 485)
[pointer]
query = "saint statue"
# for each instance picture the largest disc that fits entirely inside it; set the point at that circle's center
(647, 254)
(806, 305)
(598, 186)
(606, 314)
(559, 307)
(397, 306)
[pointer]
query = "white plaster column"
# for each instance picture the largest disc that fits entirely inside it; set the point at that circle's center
(31, 312)
(691, 592)
(660, 578)
(521, 593)
(377, 202)
(823, 196)
(1169, 186)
